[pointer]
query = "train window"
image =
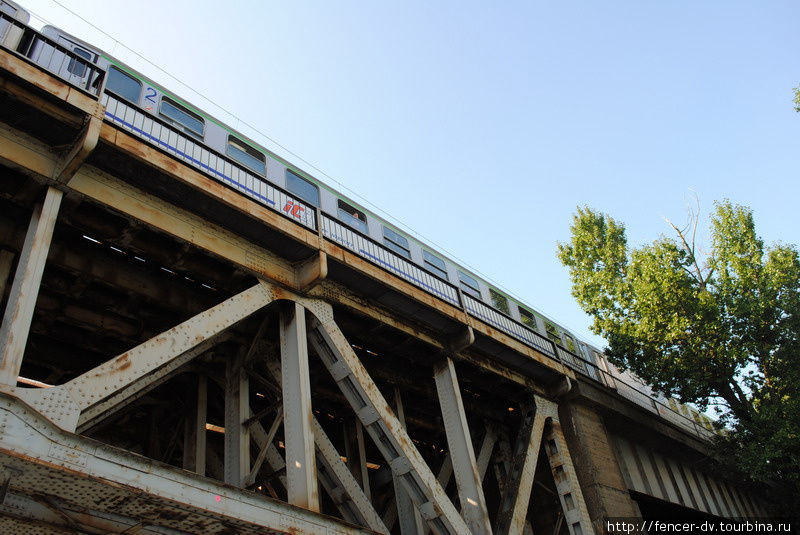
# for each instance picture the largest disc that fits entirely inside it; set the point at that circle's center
(302, 188)
(123, 85)
(396, 242)
(469, 285)
(246, 155)
(434, 264)
(191, 122)
(499, 301)
(527, 317)
(552, 332)
(351, 216)
(76, 66)
(570, 343)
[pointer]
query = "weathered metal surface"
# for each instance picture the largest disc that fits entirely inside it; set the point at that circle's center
(383, 426)
(47, 83)
(237, 412)
(409, 517)
(301, 468)
(522, 469)
(97, 391)
(355, 451)
(461, 453)
(25, 288)
(182, 224)
(195, 443)
(141, 508)
(43, 460)
(334, 476)
(82, 148)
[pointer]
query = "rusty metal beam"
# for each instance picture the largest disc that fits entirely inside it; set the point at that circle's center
(46, 82)
(301, 468)
(25, 288)
(461, 453)
(333, 474)
(195, 443)
(311, 272)
(91, 396)
(50, 461)
(334, 292)
(81, 148)
(24, 94)
(26, 154)
(237, 411)
(409, 517)
(355, 451)
(522, 469)
(181, 224)
(379, 420)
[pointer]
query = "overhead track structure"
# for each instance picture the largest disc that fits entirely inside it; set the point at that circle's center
(177, 358)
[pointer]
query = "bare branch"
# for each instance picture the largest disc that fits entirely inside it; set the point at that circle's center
(698, 273)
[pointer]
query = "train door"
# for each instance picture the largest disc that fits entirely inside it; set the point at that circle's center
(75, 69)
(67, 59)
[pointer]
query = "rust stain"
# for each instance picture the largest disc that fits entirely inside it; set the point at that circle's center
(121, 363)
(168, 514)
(280, 293)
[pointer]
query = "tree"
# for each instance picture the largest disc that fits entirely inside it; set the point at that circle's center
(721, 328)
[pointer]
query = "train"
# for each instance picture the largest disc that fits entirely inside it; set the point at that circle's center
(142, 107)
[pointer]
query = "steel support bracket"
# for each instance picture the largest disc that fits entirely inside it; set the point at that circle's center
(311, 271)
(82, 148)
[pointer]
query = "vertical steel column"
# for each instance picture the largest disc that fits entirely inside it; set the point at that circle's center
(237, 411)
(407, 514)
(459, 444)
(25, 288)
(301, 468)
(194, 444)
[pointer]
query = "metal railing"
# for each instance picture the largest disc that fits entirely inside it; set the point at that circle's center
(366, 247)
(36, 48)
(508, 325)
(171, 140)
(222, 168)
(541, 343)
(59, 60)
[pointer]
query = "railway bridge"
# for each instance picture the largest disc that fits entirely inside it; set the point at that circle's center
(178, 358)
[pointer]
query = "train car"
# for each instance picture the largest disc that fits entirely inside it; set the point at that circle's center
(10, 34)
(143, 107)
(147, 110)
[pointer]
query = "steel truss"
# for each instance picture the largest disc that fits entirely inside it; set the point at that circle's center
(266, 473)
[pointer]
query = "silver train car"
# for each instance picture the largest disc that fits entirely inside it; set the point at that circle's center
(147, 110)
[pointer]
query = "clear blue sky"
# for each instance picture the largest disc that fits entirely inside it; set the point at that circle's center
(483, 125)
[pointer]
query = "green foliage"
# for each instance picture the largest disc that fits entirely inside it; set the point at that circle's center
(722, 327)
(797, 99)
